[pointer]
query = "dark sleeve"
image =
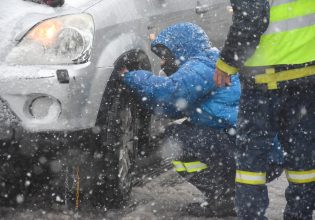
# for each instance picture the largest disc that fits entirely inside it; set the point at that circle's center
(250, 21)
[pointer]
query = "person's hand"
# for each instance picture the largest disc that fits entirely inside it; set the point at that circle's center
(221, 78)
(123, 71)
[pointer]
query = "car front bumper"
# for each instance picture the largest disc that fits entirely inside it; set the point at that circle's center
(63, 105)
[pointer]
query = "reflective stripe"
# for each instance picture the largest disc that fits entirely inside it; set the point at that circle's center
(226, 67)
(291, 24)
(301, 176)
(190, 167)
(271, 78)
(196, 166)
(293, 47)
(179, 166)
(251, 178)
(280, 2)
(292, 10)
(290, 37)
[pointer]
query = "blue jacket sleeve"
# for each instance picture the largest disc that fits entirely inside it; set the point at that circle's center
(153, 91)
(190, 83)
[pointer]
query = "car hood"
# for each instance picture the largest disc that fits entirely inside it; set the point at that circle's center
(18, 16)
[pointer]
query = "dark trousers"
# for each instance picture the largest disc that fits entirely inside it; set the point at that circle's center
(214, 148)
(289, 112)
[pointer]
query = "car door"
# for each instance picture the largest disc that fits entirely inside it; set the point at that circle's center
(163, 13)
(167, 12)
(215, 17)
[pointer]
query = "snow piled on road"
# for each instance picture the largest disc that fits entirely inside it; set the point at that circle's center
(165, 196)
(162, 197)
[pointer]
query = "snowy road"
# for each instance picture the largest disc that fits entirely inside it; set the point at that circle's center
(164, 200)
(160, 198)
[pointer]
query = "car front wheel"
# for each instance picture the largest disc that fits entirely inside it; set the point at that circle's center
(121, 127)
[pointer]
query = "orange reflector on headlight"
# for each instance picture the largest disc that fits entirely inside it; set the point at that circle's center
(46, 32)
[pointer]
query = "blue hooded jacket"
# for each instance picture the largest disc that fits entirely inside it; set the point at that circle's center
(190, 91)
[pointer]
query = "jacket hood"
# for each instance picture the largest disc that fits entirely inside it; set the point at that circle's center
(184, 40)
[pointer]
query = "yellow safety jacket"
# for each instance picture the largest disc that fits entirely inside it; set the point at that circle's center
(289, 39)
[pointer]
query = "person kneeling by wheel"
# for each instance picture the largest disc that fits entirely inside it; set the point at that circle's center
(188, 90)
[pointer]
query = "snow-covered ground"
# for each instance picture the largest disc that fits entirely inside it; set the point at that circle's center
(164, 200)
(162, 197)
(276, 197)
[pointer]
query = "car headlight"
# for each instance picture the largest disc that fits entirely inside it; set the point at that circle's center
(61, 40)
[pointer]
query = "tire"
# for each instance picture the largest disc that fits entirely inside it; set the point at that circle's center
(121, 123)
(118, 143)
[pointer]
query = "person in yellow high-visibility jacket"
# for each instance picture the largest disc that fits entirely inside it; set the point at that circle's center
(272, 45)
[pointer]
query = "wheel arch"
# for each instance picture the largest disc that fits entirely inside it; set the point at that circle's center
(119, 46)
(106, 64)
(133, 59)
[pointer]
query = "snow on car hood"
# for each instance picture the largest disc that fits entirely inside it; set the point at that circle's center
(81, 3)
(18, 16)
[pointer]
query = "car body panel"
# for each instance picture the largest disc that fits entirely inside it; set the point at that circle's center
(78, 100)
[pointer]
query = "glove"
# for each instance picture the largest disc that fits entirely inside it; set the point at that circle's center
(121, 73)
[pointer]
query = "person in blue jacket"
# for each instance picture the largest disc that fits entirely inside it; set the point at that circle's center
(207, 136)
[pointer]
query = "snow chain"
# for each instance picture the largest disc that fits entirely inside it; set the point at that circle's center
(77, 195)
(67, 188)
